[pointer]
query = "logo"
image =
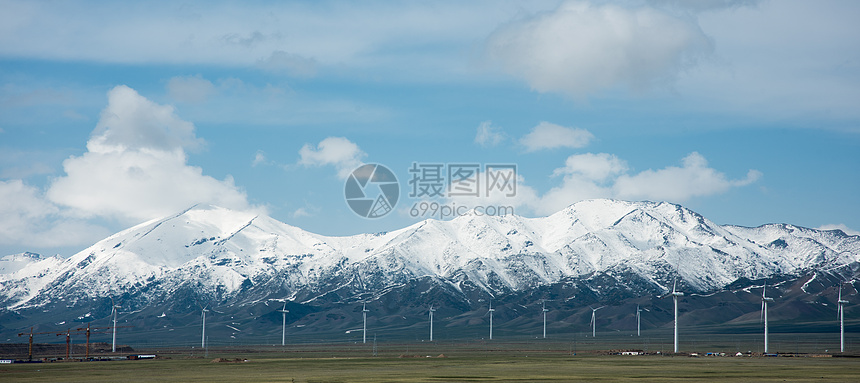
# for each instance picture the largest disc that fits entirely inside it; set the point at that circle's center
(371, 191)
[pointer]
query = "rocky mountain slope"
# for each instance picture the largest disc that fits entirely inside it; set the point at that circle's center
(596, 251)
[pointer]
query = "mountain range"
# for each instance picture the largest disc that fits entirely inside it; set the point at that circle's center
(246, 266)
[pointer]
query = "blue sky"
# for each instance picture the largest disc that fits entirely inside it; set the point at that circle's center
(112, 114)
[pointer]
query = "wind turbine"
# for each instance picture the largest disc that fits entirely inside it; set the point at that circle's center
(638, 311)
(764, 300)
(594, 321)
(114, 308)
(284, 312)
(364, 312)
(841, 312)
(203, 335)
(491, 310)
(675, 295)
(544, 310)
(431, 322)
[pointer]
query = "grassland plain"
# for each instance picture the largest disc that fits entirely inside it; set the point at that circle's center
(413, 363)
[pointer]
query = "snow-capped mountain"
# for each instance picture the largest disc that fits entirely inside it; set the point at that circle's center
(210, 255)
(24, 275)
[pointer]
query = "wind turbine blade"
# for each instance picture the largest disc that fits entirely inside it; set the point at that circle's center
(761, 318)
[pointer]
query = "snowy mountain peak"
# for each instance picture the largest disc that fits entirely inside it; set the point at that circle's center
(222, 254)
(15, 262)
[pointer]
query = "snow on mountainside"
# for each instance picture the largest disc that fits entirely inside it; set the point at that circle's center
(13, 263)
(24, 275)
(218, 253)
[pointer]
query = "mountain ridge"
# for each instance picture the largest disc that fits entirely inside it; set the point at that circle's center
(245, 266)
(224, 250)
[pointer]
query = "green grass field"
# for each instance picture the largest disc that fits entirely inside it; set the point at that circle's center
(473, 362)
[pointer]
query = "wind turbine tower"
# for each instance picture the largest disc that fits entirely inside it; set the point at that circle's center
(764, 300)
(638, 312)
(841, 312)
(203, 335)
(675, 295)
(364, 311)
(594, 321)
(431, 322)
(491, 310)
(544, 310)
(114, 309)
(284, 312)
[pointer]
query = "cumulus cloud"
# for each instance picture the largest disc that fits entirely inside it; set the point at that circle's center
(581, 48)
(840, 226)
(603, 175)
(596, 167)
(190, 89)
(28, 219)
(693, 179)
(131, 122)
(584, 176)
(489, 135)
(339, 152)
(135, 167)
(550, 136)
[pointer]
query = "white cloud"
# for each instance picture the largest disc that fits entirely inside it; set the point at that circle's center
(340, 152)
(260, 159)
(136, 167)
(28, 219)
(190, 89)
(839, 226)
(596, 167)
(677, 184)
(330, 32)
(131, 122)
(602, 175)
(489, 135)
(764, 58)
(301, 212)
(581, 48)
(549, 136)
(584, 176)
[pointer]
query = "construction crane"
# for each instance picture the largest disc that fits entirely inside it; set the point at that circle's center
(31, 333)
(88, 330)
(68, 340)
